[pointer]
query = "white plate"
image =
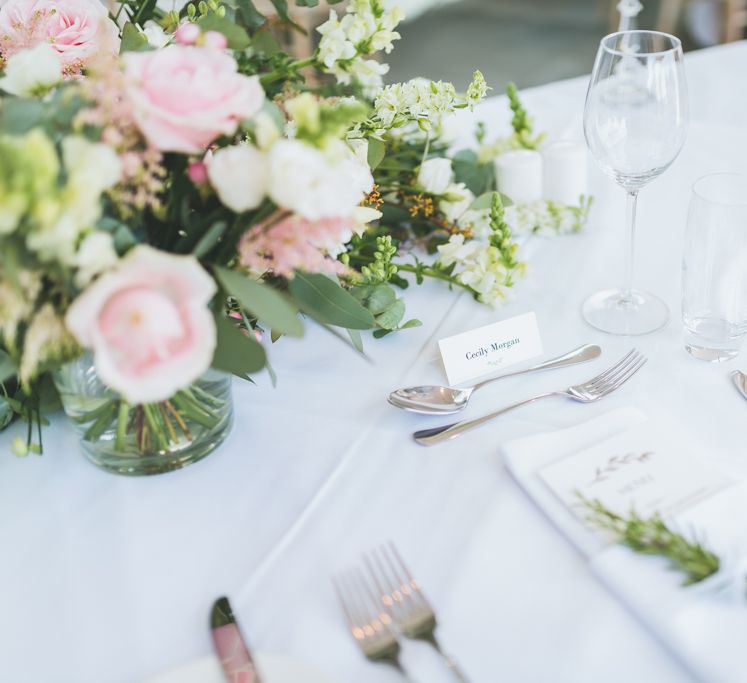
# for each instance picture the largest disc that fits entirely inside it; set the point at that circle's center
(274, 669)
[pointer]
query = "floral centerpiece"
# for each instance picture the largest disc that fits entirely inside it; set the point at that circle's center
(174, 191)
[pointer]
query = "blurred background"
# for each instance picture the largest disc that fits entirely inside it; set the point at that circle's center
(528, 41)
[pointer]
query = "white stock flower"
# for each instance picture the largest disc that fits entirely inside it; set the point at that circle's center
(304, 180)
(435, 175)
(419, 99)
(457, 199)
(32, 71)
(95, 255)
(477, 89)
(334, 45)
(156, 36)
(238, 174)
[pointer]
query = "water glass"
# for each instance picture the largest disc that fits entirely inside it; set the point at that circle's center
(714, 268)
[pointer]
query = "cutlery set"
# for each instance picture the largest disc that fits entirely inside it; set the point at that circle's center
(384, 602)
(440, 400)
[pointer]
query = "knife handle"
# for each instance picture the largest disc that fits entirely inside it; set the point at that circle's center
(234, 657)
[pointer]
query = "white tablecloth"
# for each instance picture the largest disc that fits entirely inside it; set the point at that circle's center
(108, 579)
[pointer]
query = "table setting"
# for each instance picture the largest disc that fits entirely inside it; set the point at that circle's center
(532, 469)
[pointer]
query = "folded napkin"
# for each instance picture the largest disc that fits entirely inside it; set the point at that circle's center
(704, 625)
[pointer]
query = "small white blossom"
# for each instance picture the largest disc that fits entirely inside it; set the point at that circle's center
(457, 199)
(32, 71)
(435, 175)
(477, 89)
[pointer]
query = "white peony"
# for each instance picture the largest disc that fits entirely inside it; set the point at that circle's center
(95, 255)
(238, 175)
(435, 175)
(457, 199)
(32, 71)
(305, 181)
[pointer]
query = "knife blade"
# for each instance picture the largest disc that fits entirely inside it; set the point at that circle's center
(230, 646)
(740, 380)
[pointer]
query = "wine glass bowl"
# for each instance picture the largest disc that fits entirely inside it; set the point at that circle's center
(635, 124)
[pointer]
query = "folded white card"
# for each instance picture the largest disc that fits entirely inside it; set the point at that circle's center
(488, 349)
(641, 469)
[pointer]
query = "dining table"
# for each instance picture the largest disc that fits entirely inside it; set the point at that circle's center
(110, 579)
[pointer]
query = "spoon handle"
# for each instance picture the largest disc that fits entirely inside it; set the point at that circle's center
(582, 354)
(430, 437)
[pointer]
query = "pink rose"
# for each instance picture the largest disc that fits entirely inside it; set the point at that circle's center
(184, 97)
(77, 29)
(148, 324)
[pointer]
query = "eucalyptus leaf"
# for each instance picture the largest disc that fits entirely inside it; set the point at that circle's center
(325, 301)
(262, 301)
(376, 152)
(237, 37)
(485, 200)
(209, 239)
(133, 39)
(356, 339)
(236, 352)
(392, 316)
(19, 115)
(249, 14)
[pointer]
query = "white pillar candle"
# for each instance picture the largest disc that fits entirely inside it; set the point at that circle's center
(564, 171)
(518, 175)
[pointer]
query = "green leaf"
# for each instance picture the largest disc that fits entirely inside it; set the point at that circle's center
(237, 37)
(376, 152)
(324, 300)
(249, 14)
(18, 115)
(484, 201)
(133, 40)
(236, 352)
(411, 323)
(392, 316)
(355, 337)
(262, 301)
(209, 239)
(7, 366)
(145, 12)
(307, 3)
(281, 7)
(263, 42)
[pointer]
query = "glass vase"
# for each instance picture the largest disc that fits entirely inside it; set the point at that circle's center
(149, 438)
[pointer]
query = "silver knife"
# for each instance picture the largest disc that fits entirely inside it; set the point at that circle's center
(740, 380)
(230, 646)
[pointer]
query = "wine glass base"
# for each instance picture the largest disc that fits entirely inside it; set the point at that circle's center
(612, 312)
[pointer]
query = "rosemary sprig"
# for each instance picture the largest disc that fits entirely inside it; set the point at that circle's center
(652, 536)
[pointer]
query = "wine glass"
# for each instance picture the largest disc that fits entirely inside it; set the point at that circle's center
(635, 122)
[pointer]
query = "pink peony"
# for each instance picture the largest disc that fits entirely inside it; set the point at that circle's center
(287, 243)
(184, 97)
(77, 29)
(148, 324)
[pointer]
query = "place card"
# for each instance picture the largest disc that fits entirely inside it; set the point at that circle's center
(641, 469)
(488, 349)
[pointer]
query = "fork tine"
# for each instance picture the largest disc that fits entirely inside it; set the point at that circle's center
(621, 368)
(410, 579)
(343, 602)
(621, 380)
(601, 377)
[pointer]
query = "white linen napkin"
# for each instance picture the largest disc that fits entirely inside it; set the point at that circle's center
(704, 625)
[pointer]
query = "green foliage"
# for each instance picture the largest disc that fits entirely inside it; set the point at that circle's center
(262, 301)
(652, 536)
(521, 121)
(478, 177)
(376, 152)
(325, 301)
(236, 352)
(133, 40)
(237, 37)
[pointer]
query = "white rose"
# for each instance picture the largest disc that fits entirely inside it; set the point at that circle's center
(156, 36)
(32, 71)
(435, 175)
(303, 180)
(458, 200)
(238, 175)
(95, 255)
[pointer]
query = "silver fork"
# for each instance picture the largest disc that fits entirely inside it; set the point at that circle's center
(586, 392)
(369, 624)
(402, 598)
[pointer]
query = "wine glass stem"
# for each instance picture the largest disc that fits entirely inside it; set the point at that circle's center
(630, 208)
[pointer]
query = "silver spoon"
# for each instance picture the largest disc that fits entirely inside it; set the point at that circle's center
(740, 379)
(438, 400)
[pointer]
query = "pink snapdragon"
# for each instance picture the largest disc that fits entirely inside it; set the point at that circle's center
(287, 243)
